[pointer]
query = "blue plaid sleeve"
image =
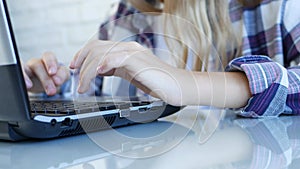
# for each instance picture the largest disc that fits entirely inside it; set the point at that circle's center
(275, 89)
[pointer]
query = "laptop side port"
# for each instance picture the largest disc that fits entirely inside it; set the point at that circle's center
(143, 109)
(67, 122)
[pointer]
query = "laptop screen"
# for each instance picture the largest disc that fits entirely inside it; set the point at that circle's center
(6, 47)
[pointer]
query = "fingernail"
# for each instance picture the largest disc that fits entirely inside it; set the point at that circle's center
(52, 70)
(72, 64)
(28, 83)
(50, 90)
(100, 69)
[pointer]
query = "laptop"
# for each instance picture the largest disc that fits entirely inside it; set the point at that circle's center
(23, 117)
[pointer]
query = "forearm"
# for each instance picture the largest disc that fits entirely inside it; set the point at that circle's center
(219, 89)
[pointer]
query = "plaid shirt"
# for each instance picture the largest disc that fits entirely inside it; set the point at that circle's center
(271, 42)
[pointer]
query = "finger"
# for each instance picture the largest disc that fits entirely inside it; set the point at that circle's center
(26, 72)
(37, 67)
(88, 70)
(86, 76)
(95, 64)
(62, 75)
(50, 62)
(100, 46)
(80, 56)
(75, 58)
(28, 82)
(94, 55)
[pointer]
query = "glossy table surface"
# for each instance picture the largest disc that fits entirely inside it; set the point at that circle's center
(191, 139)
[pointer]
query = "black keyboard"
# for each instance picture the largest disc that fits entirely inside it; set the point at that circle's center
(71, 108)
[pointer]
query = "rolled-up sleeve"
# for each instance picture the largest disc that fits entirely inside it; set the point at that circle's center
(275, 89)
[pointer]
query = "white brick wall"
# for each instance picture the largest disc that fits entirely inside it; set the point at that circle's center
(61, 26)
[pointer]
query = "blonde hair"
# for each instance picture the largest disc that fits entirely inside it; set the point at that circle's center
(204, 26)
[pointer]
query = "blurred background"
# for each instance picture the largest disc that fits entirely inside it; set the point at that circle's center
(60, 26)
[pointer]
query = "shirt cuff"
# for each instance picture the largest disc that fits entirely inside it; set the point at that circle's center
(268, 83)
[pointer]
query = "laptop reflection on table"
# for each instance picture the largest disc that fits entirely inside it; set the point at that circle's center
(107, 147)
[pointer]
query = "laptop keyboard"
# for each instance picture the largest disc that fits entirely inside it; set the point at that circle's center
(70, 108)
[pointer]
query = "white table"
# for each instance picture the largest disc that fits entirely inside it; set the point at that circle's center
(192, 138)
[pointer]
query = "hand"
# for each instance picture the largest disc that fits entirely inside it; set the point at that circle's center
(45, 74)
(130, 61)
(138, 65)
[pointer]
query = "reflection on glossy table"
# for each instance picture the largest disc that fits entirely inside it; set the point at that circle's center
(192, 138)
